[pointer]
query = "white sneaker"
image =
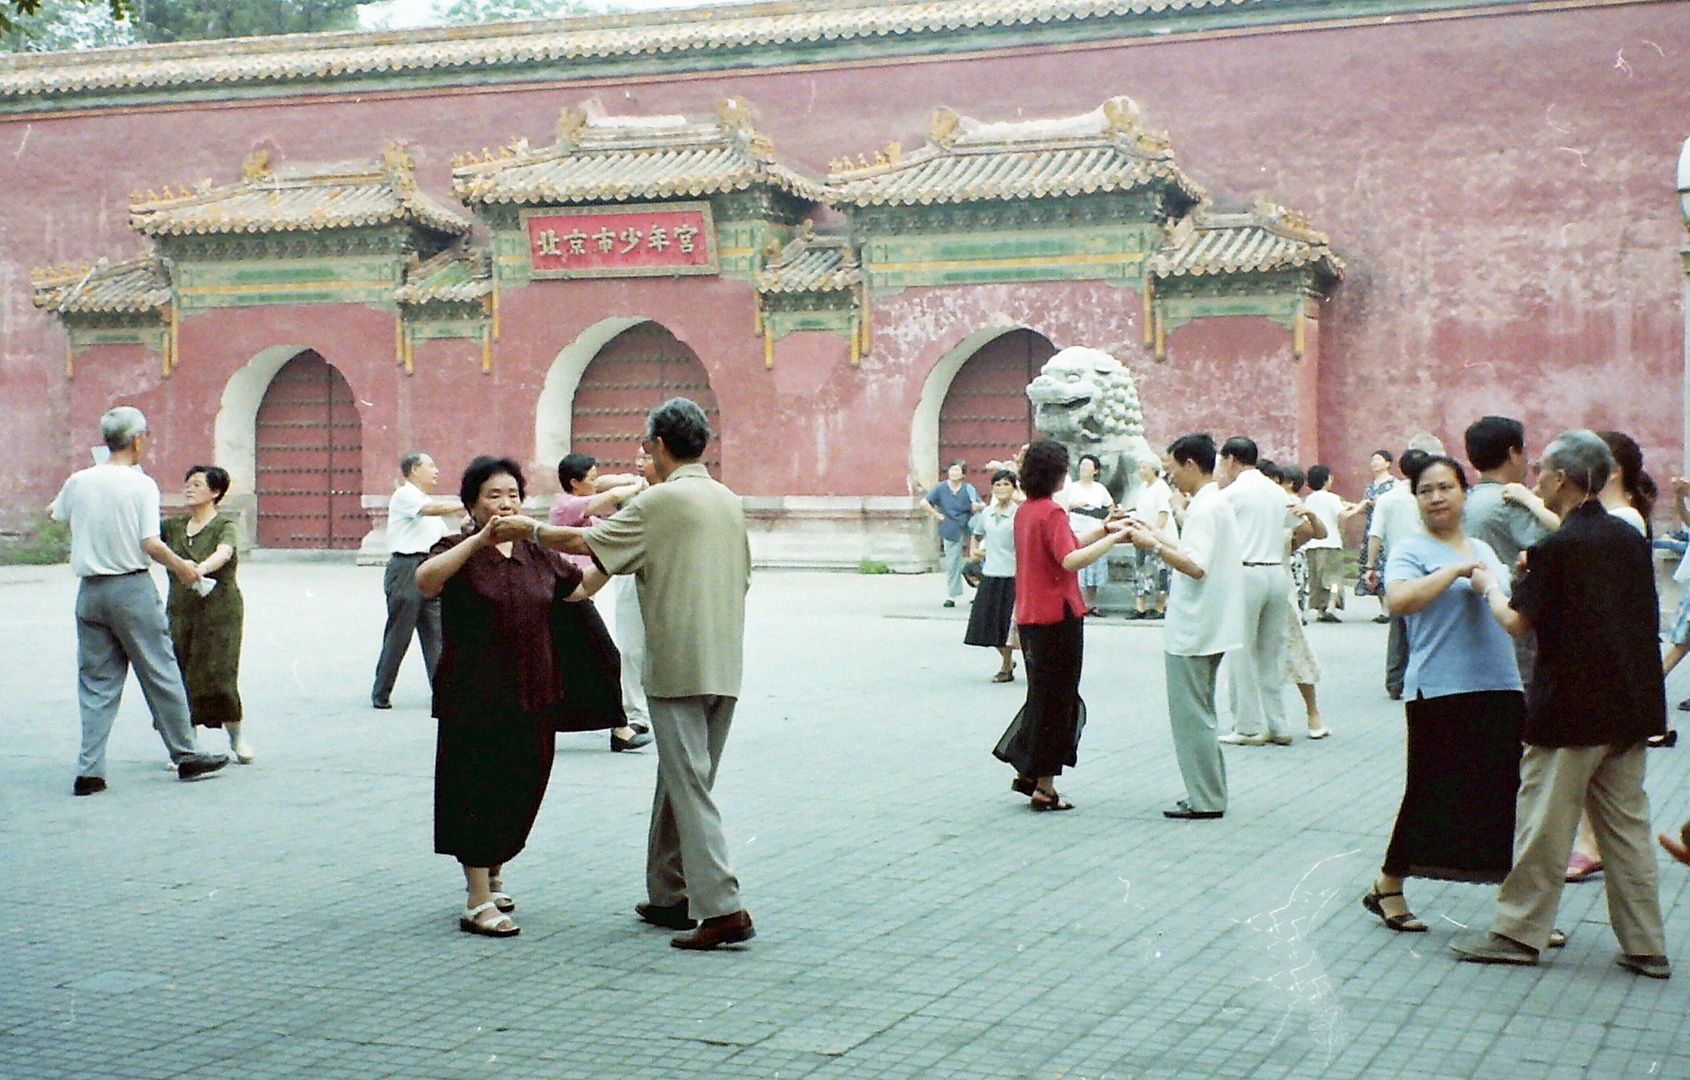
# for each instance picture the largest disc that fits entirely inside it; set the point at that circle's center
(1233, 738)
(242, 752)
(1319, 733)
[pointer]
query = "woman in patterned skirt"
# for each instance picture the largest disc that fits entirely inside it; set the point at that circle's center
(206, 617)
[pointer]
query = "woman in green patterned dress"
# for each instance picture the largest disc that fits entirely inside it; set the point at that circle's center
(206, 617)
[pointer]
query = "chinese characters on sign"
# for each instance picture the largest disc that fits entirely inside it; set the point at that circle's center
(628, 241)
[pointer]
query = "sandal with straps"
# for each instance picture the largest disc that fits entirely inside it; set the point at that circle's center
(1052, 801)
(1406, 923)
(502, 926)
(501, 899)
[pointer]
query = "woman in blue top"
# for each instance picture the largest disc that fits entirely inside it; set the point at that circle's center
(1464, 705)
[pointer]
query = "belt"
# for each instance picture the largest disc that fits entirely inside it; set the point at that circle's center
(1264, 564)
(126, 573)
(409, 555)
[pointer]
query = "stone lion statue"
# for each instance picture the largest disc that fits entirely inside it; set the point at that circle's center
(1085, 399)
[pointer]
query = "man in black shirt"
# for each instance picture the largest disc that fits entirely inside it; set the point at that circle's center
(1596, 694)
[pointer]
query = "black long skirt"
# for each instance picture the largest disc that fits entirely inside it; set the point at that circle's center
(1457, 817)
(490, 776)
(1045, 734)
(993, 612)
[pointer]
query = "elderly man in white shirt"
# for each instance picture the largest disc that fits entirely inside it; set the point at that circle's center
(1259, 505)
(1205, 621)
(415, 523)
(1395, 515)
(113, 511)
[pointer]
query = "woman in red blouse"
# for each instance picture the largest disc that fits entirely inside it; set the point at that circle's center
(498, 691)
(1045, 734)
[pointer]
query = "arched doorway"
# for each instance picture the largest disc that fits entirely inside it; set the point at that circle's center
(986, 414)
(309, 459)
(638, 369)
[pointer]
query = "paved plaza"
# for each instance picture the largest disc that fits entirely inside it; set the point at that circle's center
(914, 918)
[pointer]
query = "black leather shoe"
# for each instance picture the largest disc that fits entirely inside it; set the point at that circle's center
(199, 765)
(619, 744)
(376, 703)
(88, 785)
(721, 930)
(638, 728)
(673, 917)
(1182, 811)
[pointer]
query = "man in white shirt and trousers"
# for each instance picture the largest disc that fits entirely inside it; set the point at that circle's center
(1395, 515)
(1258, 671)
(1205, 620)
(113, 511)
(415, 523)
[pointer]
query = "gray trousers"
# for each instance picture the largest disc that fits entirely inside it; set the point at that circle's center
(1191, 715)
(1258, 677)
(953, 568)
(120, 623)
(630, 642)
(407, 613)
(1555, 785)
(1396, 656)
(686, 853)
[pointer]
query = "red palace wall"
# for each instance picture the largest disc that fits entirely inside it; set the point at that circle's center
(1499, 187)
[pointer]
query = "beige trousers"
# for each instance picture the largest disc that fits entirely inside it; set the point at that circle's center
(1555, 784)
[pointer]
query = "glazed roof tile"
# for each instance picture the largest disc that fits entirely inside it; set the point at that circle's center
(812, 263)
(454, 275)
(599, 158)
(303, 197)
(136, 284)
(966, 160)
(315, 57)
(1267, 237)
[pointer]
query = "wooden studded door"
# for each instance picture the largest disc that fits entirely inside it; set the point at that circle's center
(638, 369)
(986, 415)
(310, 459)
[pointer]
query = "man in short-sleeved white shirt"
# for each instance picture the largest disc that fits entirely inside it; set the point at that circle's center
(1325, 557)
(1260, 507)
(416, 521)
(113, 511)
(1205, 620)
(1395, 515)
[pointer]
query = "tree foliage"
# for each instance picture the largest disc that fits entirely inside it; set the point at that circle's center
(63, 24)
(199, 20)
(455, 12)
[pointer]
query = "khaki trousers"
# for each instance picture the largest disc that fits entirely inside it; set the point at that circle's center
(686, 851)
(1555, 784)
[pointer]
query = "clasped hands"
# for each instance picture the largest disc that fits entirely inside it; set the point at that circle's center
(501, 529)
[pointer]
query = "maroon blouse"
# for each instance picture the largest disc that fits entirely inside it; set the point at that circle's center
(495, 615)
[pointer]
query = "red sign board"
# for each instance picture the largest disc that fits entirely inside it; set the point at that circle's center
(654, 240)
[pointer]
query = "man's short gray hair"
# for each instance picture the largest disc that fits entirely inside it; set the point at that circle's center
(409, 460)
(120, 426)
(682, 426)
(1582, 457)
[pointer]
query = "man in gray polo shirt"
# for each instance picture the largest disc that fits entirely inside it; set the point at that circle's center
(684, 540)
(113, 511)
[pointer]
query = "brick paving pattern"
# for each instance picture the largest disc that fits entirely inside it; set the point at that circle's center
(914, 918)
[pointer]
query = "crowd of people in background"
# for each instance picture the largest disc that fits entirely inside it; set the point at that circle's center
(1523, 642)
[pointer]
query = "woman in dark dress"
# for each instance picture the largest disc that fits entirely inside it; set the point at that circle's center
(205, 618)
(498, 689)
(1045, 734)
(1464, 707)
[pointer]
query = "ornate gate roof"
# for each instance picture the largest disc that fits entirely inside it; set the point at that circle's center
(599, 158)
(309, 197)
(966, 160)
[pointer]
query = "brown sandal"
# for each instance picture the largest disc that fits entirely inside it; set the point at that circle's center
(1052, 801)
(1405, 923)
